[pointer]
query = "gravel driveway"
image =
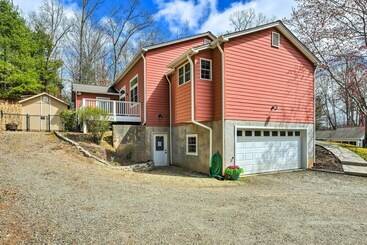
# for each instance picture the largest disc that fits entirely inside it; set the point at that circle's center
(51, 194)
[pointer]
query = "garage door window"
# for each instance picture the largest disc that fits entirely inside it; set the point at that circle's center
(267, 133)
(192, 144)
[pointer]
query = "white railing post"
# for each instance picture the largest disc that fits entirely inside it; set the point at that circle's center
(85, 130)
(114, 111)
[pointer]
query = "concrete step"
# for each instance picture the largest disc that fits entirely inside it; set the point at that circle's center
(362, 164)
(355, 170)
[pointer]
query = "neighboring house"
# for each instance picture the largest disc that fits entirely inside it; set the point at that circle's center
(43, 112)
(248, 95)
(353, 135)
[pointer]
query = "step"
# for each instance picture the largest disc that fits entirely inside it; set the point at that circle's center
(355, 170)
(352, 163)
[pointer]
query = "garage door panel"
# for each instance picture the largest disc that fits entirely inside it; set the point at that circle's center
(264, 154)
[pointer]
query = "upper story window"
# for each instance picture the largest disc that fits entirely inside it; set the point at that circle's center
(134, 89)
(206, 69)
(275, 39)
(184, 74)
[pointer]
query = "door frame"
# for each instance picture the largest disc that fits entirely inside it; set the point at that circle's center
(165, 135)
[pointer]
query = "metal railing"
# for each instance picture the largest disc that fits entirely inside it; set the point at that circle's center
(118, 110)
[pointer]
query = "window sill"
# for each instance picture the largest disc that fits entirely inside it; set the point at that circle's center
(180, 85)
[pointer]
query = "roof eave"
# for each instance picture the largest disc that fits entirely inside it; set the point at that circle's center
(135, 60)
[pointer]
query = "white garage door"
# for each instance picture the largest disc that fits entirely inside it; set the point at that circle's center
(259, 151)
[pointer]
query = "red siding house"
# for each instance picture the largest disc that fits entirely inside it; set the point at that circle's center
(248, 96)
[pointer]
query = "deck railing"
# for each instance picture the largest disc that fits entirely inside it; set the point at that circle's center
(117, 110)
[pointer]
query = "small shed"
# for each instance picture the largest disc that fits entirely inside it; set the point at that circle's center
(42, 112)
(351, 135)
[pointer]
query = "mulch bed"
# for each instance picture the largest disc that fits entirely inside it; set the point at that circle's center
(325, 160)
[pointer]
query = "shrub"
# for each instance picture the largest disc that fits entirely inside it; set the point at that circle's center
(233, 172)
(69, 120)
(96, 120)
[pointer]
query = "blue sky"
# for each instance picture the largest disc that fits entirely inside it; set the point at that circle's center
(172, 16)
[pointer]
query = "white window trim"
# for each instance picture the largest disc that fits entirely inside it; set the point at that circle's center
(136, 85)
(211, 69)
(272, 44)
(184, 74)
(187, 144)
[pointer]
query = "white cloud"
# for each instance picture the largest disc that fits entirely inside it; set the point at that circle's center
(203, 15)
(184, 14)
(28, 6)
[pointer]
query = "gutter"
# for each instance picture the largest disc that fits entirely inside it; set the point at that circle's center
(145, 88)
(193, 109)
(170, 118)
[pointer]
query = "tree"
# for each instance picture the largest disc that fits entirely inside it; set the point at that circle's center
(124, 22)
(336, 32)
(88, 7)
(243, 19)
(51, 20)
(18, 55)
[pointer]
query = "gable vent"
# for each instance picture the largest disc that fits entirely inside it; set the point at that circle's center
(275, 39)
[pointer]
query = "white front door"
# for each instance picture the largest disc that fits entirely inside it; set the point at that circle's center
(160, 150)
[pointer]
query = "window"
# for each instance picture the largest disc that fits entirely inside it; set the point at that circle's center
(297, 133)
(134, 89)
(248, 133)
(184, 74)
(275, 39)
(257, 133)
(274, 133)
(192, 144)
(282, 133)
(206, 69)
(45, 99)
(290, 133)
(239, 132)
(266, 133)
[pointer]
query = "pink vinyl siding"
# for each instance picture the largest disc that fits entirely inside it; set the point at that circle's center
(181, 100)
(204, 90)
(79, 98)
(138, 69)
(157, 86)
(258, 76)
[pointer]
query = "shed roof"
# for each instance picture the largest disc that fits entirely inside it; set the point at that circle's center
(88, 88)
(341, 134)
(44, 93)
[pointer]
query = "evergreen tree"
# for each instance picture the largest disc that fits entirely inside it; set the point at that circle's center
(24, 69)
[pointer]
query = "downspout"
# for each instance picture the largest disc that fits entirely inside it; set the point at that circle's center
(193, 110)
(145, 88)
(314, 117)
(170, 118)
(222, 77)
